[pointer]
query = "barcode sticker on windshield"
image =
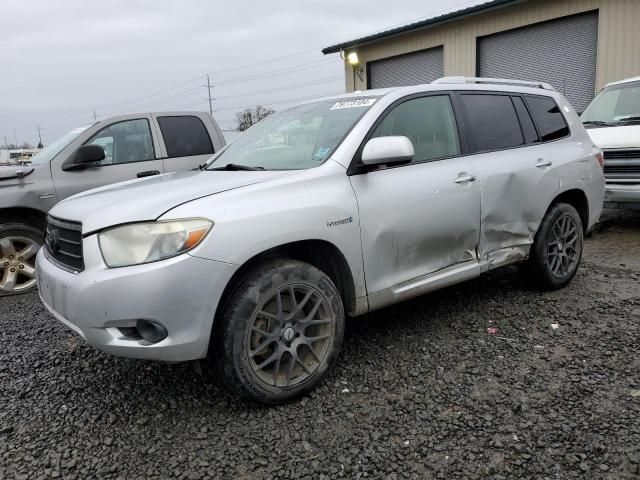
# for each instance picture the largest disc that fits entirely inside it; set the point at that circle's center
(365, 102)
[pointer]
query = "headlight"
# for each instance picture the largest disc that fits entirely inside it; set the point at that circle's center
(150, 241)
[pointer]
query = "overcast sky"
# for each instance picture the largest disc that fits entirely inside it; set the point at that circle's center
(61, 59)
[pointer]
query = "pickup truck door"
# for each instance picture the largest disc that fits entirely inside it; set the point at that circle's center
(132, 151)
(187, 139)
(422, 217)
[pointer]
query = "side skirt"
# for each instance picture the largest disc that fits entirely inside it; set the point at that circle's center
(427, 283)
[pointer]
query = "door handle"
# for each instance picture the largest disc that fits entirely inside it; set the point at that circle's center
(465, 178)
(543, 163)
(148, 173)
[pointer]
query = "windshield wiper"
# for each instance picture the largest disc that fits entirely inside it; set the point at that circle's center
(230, 167)
(630, 119)
(597, 123)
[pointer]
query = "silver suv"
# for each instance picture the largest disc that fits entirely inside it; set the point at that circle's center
(335, 207)
(109, 151)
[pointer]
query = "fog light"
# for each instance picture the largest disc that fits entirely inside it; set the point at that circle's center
(151, 331)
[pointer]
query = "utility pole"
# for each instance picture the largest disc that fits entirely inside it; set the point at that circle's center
(6, 145)
(95, 119)
(39, 137)
(209, 90)
(15, 138)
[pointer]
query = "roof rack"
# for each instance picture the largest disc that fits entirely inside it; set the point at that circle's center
(494, 81)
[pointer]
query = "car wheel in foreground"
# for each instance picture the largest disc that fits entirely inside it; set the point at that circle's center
(280, 333)
(19, 244)
(557, 249)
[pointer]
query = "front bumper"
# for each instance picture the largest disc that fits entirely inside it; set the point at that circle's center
(621, 195)
(102, 304)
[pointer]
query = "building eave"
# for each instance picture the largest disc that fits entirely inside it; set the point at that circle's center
(422, 24)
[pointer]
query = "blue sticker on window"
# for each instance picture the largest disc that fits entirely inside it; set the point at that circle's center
(321, 153)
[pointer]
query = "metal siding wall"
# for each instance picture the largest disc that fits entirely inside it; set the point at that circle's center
(562, 52)
(618, 36)
(412, 69)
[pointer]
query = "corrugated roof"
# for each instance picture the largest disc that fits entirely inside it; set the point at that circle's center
(430, 22)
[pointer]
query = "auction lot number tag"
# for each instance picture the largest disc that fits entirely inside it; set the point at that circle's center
(364, 102)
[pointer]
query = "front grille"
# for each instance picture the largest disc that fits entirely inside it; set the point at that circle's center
(63, 243)
(622, 166)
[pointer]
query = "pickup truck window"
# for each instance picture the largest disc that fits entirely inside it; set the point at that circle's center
(185, 136)
(50, 151)
(125, 142)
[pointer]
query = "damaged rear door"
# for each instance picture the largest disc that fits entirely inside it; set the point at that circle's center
(423, 216)
(516, 171)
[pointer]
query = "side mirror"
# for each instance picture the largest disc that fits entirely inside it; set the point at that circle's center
(86, 156)
(387, 150)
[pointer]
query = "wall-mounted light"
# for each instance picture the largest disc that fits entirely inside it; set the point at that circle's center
(353, 60)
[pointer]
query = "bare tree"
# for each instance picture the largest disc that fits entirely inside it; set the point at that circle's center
(250, 116)
(26, 145)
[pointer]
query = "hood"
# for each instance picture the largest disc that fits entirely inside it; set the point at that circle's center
(149, 198)
(627, 136)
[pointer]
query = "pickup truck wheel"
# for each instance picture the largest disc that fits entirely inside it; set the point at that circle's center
(557, 248)
(19, 244)
(280, 333)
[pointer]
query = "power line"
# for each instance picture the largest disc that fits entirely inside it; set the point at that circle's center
(287, 87)
(265, 61)
(288, 100)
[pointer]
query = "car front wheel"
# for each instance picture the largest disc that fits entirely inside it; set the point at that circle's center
(280, 331)
(19, 244)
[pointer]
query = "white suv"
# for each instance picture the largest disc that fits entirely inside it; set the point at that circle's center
(335, 207)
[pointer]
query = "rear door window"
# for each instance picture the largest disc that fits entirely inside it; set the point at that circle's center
(491, 122)
(548, 117)
(185, 136)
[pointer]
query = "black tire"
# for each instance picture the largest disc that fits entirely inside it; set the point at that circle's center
(20, 234)
(539, 268)
(244, 308)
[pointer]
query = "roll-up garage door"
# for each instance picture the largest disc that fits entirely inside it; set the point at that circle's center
(410, 69)
(561, 52)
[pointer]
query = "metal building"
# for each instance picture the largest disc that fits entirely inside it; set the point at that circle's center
(576, 45)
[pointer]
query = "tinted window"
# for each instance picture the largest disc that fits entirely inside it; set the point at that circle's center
(428, 122)
(548, 118)
(528, 128)
(185, 136)
(492, 122)
(125, 142)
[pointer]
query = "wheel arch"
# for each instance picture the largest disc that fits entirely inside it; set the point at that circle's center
(322, 254)
(30, 216)
(577, 199)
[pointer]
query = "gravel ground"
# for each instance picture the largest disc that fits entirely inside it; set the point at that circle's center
(422, 390)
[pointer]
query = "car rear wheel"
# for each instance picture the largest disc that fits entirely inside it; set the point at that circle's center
(19, 244)
(557, 249)
(280, 332)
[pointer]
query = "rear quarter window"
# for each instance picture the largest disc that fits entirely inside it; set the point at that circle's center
(185, 136)
(548, 117)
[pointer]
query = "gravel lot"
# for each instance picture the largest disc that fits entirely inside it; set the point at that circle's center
(422, 390)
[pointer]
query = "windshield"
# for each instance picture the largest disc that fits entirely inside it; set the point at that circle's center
(297, 138)
(614, 106)
(47, 153)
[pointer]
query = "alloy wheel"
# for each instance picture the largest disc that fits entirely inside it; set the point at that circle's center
(565, 246)
(290, 335)
(17, 263)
